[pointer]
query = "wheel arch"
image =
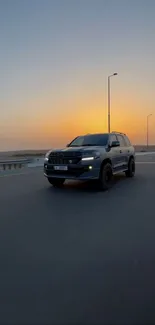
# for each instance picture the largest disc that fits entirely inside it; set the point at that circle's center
(105, 161)
(131, 157)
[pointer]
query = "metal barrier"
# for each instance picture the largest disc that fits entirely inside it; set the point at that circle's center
(8, 165)
(14, 164)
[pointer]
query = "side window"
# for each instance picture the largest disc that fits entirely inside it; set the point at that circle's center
(121, 140)
(128, 143)
(112, 138)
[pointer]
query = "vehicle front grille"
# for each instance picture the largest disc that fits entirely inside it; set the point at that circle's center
(64, 158)
(49, 170)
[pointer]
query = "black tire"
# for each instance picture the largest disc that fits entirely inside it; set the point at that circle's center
(56, 182)
(131, 168)
(106, 177)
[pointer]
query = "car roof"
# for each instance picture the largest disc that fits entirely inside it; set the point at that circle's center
(88, 134)
(99, 134)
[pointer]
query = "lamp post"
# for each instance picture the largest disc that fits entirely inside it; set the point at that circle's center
(109, 99)
(147, 130)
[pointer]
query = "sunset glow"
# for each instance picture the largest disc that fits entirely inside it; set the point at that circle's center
(54, 69)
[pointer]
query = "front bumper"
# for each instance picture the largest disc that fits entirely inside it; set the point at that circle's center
(78, 172)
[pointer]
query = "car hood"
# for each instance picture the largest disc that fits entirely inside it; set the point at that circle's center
(77, 149)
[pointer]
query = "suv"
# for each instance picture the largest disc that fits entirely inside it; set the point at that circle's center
(91, 157)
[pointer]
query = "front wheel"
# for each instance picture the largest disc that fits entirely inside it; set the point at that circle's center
(106, 177)
(131, 168)
(56, 182)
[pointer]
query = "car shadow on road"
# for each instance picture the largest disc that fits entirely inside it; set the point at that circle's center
(91, 186)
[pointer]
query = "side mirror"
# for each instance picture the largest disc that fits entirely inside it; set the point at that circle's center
(67, 145)
(115, 144)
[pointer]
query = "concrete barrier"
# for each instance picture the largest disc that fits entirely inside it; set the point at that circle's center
(145, 153)
(37, 162)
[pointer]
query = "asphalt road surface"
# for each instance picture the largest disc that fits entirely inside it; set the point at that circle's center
(76, 255)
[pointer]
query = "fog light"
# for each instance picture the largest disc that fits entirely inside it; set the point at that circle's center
(90, 167)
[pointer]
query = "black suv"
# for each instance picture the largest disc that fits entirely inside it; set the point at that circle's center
(91, 156)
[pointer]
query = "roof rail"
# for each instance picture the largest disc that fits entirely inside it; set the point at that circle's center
(118, 132)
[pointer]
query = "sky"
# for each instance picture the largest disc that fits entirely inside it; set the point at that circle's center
(55, 59)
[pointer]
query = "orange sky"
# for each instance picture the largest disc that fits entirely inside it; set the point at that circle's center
(87, 113)
(89, 117)
(55, 123)
(54, 71)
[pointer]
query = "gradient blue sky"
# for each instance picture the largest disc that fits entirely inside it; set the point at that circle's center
(54, 61)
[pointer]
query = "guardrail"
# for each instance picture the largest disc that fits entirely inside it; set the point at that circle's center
(14, 164)
(6, 165)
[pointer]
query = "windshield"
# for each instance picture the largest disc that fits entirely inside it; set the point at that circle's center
(90, 140)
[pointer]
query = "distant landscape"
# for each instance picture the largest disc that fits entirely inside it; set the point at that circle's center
(22, 154)
(42, 152)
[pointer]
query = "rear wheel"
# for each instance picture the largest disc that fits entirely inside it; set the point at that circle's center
(56, 182)
(106, 177)
(131, 168)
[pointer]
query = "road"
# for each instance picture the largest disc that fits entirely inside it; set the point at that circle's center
(76, 255)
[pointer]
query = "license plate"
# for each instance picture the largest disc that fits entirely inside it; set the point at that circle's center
(60, 167)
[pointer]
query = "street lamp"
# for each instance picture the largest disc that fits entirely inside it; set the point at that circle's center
(147, 130)
(114, 74)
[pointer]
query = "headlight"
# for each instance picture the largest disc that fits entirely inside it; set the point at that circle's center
(90, 156)
(87, 158)
(47, 156)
